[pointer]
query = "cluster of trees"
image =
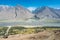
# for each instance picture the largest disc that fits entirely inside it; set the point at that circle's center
(3, 30)
(20, 30)
(23, 30)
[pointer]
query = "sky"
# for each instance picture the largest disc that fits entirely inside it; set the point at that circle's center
(31, 4)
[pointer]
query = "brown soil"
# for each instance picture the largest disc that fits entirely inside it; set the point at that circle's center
(45, 35)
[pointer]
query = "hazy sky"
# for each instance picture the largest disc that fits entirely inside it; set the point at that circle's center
(32, 4)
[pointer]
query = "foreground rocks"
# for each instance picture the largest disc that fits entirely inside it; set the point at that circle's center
(45, 35)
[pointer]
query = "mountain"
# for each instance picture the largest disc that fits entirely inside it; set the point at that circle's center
(22, 13)
(16, 12)
(7, 12)
(47, 12)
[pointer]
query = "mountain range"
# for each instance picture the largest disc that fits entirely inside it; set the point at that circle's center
(19, 12)
(47, 12)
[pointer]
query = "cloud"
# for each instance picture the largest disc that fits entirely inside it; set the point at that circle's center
(5, 6)
(31, 8)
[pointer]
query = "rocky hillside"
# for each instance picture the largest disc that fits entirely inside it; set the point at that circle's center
(44, 35)
(47, 12)
(16, 12)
